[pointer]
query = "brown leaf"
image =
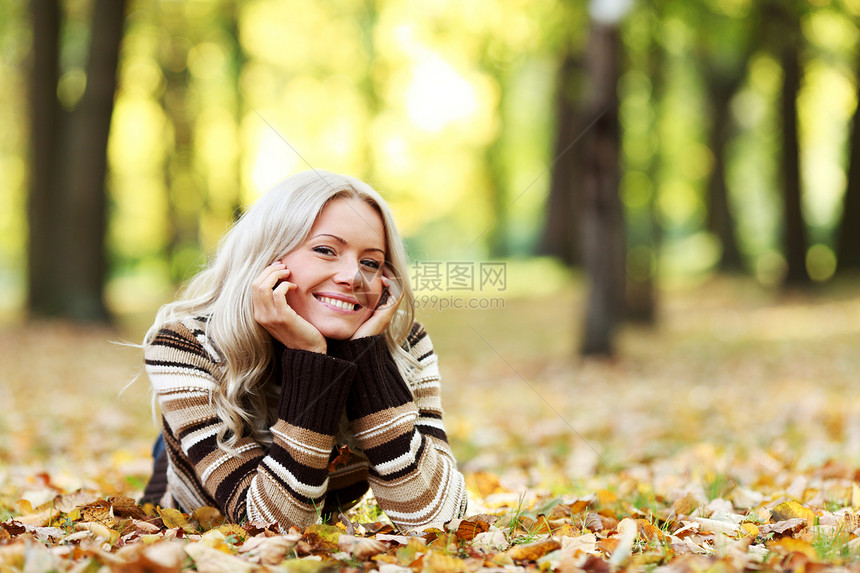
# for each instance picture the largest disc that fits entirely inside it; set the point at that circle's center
(361, 548)
(467, 530)
(783, 527)
(533, 551)
(99, 511)
(685, 505)
(13, 528)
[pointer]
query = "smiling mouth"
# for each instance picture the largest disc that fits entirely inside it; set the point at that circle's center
(341, 304)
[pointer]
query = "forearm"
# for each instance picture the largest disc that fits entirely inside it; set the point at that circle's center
(413, 472)
(289, 479)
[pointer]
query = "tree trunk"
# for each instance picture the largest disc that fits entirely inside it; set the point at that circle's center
(185, 196)
(67, 202)
(86, 161)
(560, 237)
(795, 229)
(781, 23)
(44, 296)
(602, 220)
(720, 219)
(848, 240)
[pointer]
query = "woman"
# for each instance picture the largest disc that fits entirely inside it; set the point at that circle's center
(290, 375)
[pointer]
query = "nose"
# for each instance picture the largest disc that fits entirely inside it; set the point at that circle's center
(348, 274)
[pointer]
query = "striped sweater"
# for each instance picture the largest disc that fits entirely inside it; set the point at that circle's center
(398, 444)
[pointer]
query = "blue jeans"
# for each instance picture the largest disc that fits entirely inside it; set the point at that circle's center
(158, 447)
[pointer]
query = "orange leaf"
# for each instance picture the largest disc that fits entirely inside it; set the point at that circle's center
(467, 530)
(533, 551)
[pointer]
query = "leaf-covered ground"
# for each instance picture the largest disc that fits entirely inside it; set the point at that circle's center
(727, 439)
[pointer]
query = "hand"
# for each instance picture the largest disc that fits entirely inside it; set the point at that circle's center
(377, 322)
(271, 311)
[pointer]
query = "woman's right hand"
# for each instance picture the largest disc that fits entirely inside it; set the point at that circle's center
(271, 311)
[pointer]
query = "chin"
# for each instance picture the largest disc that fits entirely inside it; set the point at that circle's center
(337, 331)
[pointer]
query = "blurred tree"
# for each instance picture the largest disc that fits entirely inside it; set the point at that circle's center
(602, 219)
(560, 230)
(725, 46)
(782, 33)
(185, 189)
(848, 238)
(644, 95)
(67, 203)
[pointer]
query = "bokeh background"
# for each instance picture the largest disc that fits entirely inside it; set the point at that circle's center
(670, 184)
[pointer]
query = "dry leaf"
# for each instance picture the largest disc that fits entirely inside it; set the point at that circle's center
(467, 530)
(174, 519)
(269, 550)
(361, 548)
(627, 531)
(209, 560)
(435, 562)
(533, 551)
(490, 541)
(793, 510)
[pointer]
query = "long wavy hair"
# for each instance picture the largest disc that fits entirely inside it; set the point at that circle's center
(276, 224)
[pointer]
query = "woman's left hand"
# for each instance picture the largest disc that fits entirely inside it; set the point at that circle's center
(381, 317)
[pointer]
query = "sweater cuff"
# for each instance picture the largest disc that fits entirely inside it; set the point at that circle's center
(314, 390)
(377, 384)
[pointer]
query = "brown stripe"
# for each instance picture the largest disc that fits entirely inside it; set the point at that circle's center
(303, 435)
(387, 430)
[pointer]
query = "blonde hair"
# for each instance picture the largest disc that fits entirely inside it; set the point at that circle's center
(275, 225)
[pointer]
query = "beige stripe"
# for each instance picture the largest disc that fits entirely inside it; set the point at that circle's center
(385, 425)
(309, 439)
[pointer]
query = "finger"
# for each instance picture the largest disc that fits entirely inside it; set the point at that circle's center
(269, 276)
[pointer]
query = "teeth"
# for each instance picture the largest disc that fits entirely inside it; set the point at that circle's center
(338, 303)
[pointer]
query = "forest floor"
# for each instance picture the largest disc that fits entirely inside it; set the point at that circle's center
(726, 438)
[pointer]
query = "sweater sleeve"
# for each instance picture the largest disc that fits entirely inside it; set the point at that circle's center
(285, 484)
(413, 472)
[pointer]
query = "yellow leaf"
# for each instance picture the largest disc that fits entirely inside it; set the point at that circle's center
(606, 498)
(788, 545)
(440, 563)
(208, 517)
(792, 510)
(99, 530)
(173, 518)
(855, 495)
(229, 529)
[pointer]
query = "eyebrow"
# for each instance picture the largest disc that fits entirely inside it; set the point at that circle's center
(344, 242)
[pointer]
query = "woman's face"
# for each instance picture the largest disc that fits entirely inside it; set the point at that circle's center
(338, 269)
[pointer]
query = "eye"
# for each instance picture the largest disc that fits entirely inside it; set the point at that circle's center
(371, 264)
(323, 250)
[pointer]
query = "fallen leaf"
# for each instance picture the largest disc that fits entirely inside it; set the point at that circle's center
(490, 541)
(787, 545)
(783, 527)
(627, 530)
(209, 560)
(793, 510)
(467, 530)
(533, 551)
(361, 548)
(208, 517)
(435, 562)
(174, 519)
